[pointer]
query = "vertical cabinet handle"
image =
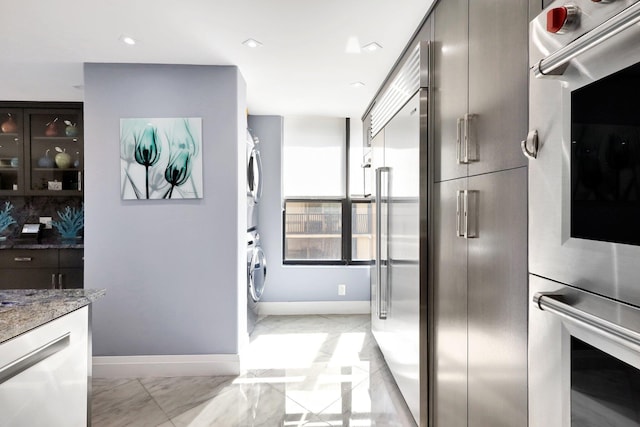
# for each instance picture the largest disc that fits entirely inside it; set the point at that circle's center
(459, 213)
(466, 149)
(470, 144)
(467, 138)
(467, 213)
(56, 281)
(459, 137)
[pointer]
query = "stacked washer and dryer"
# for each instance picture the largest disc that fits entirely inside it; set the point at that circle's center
(256, 262)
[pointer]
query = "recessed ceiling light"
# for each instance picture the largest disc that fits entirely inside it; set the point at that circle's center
(252, 43)
(356, 84)
(127, 40)
(371, 47)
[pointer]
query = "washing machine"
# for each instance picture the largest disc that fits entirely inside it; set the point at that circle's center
(254, 180)
(256, 275)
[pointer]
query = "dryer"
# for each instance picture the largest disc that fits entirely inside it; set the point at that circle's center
(256, 275)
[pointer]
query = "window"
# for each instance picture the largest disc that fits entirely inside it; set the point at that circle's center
(321, 225)
(361, 245)
(313, 230)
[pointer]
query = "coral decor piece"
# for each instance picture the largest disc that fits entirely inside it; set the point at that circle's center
(5, 218)
(70, 223)
(160, 158)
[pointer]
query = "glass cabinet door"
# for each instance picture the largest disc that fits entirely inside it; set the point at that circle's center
(11, 142)
(55, 152)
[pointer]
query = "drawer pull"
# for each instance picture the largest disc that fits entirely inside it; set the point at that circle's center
(23, 259)
(12, 369)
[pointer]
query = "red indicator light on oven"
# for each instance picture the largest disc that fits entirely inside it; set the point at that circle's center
(556, 19)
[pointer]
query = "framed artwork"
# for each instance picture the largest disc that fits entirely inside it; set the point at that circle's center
(161, 158)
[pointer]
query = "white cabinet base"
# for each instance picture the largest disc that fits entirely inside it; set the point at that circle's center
(52, 391)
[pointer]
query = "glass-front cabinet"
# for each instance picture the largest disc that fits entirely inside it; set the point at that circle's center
(11, 151)
(41, 150)
(55, 151)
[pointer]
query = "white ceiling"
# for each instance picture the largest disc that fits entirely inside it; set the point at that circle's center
(301, 69)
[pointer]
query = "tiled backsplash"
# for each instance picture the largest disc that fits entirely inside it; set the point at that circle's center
(30, 209)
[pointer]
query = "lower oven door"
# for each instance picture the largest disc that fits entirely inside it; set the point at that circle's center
(584, 185)
(584, 355)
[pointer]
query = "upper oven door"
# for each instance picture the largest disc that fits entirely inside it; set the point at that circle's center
(584, 185)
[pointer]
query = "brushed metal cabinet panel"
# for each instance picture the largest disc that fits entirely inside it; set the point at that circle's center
(497, 302)
(535, 7)
(498, 76)
(402, 157)
(450, 310)
(450, 84)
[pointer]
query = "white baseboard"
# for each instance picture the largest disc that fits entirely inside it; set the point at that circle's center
(313, 307)
(165, 366)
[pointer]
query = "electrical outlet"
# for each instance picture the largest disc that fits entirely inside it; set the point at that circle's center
(342, 290)
(46, 220)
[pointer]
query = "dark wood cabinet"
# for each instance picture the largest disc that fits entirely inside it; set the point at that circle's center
(41, 268)
(11, 151)
(41, 149)
(71, 268)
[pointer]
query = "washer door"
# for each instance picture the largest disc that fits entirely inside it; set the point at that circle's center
(257, 273)
(254, 176)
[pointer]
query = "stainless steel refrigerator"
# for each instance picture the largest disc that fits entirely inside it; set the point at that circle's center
(398, 126)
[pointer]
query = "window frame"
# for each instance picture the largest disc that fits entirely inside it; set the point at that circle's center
(347, 210)
(346, 234)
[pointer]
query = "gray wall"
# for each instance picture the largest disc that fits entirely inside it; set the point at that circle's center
(294, 283)
(173, 270)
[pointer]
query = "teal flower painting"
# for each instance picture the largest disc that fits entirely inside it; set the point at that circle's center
(161, 158)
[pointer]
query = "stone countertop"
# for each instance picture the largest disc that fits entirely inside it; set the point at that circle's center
(24, 309)
(44, 245)
(45, 242)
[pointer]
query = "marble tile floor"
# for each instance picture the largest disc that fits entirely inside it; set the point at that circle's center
(298, 371)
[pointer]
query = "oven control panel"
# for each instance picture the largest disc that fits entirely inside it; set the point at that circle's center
(563, 21)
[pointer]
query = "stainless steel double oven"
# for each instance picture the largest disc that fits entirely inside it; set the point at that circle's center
(584, 214)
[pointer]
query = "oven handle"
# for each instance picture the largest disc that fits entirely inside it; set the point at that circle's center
(553, 64)
(552, 303)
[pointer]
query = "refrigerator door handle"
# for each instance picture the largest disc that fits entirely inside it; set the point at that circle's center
(382, 253)
(378, 241)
